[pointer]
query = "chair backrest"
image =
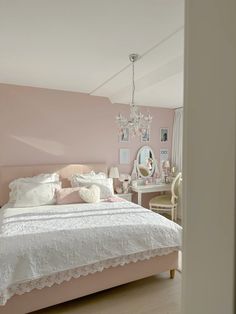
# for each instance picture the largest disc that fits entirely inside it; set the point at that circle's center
(175, 188)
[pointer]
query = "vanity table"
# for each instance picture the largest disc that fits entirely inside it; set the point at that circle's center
(145, 168)
(150, 188)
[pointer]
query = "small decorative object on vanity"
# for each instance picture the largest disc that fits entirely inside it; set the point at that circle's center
(126, 186)
(125, 179)
(166, 170)
(134, 183)
(173, 171)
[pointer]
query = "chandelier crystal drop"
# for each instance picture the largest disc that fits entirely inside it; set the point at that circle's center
(137, 123)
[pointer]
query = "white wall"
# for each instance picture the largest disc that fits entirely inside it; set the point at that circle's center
(209, 157)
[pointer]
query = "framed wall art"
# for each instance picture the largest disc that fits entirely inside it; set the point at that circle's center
(124, 156)
(164, 134)
(124, 135)
(145, 137)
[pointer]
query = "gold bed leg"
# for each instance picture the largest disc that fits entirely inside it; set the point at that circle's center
(172, 273)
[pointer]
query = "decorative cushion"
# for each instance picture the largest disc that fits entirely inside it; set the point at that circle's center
(35, 194)
(91, 194)
(68, 196)
(41, 178)
(105, 185)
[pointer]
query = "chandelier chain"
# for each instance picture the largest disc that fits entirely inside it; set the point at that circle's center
(133, 84)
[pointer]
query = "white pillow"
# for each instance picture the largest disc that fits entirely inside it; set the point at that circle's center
(36, 194)
(90, 175)
(105, 185)
(91, 194)
(41, 178)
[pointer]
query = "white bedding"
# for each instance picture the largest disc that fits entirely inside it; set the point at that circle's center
(41, 246)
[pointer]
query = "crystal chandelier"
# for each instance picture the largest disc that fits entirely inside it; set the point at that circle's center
(137, 123)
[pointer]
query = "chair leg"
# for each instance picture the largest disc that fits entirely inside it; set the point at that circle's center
(172, 213)
(172, 273)
(176, 213)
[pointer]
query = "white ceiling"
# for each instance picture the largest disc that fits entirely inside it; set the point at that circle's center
(76, 45)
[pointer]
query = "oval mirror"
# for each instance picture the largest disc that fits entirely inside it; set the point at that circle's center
(145, 162)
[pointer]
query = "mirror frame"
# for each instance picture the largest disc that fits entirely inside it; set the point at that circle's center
(136, 169)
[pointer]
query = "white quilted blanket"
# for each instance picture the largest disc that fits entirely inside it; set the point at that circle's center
(41, 246)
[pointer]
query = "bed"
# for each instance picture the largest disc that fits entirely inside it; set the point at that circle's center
(66, 231)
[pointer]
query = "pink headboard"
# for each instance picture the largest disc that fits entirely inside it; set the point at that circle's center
(9, 173)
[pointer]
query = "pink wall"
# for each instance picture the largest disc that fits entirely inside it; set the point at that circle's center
(40, 126)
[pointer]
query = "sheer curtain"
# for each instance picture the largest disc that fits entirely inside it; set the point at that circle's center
(177, 140)
(177, 151)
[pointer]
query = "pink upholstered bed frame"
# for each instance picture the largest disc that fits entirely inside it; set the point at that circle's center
(108, 278)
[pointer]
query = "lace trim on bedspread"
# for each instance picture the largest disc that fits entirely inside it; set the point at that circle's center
(67, 275)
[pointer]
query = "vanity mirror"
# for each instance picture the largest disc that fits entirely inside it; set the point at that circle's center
(145, 164)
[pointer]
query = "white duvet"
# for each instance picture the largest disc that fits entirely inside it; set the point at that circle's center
(41, 246)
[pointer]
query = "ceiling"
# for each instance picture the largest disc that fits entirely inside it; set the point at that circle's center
(77, 45)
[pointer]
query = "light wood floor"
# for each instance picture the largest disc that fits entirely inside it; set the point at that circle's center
(157, 294)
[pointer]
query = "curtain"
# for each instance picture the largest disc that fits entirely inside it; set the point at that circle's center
(177, 139)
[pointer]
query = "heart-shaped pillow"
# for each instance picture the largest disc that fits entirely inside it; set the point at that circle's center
(91, 194)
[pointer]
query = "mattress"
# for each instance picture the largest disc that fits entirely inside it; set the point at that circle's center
(46, 245)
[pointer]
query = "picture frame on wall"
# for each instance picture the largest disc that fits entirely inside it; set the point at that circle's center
(124, 135)
(164, 135)
(145, 137)
(124, 156)
(164, 154)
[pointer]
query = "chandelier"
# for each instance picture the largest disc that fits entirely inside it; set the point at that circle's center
(137, 123)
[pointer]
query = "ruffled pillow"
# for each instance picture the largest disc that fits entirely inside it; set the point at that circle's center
(90, 175)
(30, 194)
(41, 178)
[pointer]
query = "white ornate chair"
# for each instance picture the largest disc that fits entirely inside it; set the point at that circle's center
(168, 203)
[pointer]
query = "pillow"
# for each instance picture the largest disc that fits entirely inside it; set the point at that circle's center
(41, 178)
(90, 175)
(35, 194)
(91, 194)
(68, 196)
(105, 185)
